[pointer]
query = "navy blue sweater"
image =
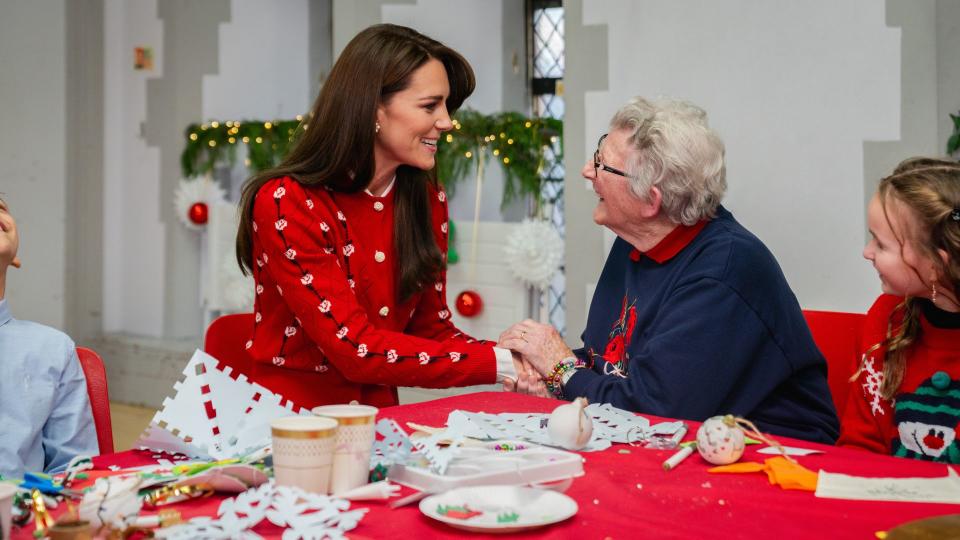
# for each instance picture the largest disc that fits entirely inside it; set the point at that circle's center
(711, 329)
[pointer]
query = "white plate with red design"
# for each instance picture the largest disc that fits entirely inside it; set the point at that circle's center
(499, 509)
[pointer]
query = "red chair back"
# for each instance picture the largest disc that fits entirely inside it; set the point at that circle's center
(226, 341)
(837, 335)
(96, 376)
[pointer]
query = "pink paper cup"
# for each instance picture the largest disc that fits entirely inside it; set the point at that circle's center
(303, 452)
(355, 435)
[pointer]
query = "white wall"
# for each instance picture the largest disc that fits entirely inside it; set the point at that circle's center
(134, 235)
(794, 89)
(263, 73)
(263, 63)
(32, 152)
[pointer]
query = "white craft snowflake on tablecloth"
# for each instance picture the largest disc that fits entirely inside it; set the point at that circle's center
(872, 384)
(390, 446)
(610, 425)
(303, 515)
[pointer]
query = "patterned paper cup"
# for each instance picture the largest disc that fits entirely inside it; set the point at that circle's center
(6, 508)
(355, 436)
(303, 452)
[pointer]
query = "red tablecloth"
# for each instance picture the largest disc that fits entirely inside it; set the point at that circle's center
(626, 494)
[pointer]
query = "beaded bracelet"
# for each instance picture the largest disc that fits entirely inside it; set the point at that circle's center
(554, 381)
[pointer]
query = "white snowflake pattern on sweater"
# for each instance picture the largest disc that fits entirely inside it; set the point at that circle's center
(874, 380)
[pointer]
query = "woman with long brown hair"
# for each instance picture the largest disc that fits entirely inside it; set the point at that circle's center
(906, 395)
(346, 239)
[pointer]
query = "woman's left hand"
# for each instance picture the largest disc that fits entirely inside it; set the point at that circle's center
(540, 344)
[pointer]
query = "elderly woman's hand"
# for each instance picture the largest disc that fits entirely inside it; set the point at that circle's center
(540, 344)
(528, 382)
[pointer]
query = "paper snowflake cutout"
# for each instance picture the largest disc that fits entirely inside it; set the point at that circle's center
(303, 515)
(610, 425)
(437, 455)
(391, 445)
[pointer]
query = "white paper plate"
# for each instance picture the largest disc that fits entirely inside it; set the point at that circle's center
(498, 509)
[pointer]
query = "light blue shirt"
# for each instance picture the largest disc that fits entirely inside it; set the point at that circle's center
(45, 417)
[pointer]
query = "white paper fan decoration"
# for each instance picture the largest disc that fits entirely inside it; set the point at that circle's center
(195, 190)
(534, 251)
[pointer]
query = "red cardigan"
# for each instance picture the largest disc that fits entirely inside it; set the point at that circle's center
(921, 422)
(328, 327)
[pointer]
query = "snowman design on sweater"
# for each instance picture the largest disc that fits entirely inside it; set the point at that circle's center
(927, 420)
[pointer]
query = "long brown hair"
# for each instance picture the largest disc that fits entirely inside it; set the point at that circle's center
(930, 189)
(336, 148)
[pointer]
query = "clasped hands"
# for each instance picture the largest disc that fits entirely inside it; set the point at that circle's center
(537, 348)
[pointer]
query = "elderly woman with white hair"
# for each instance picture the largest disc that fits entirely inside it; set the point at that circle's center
(692, 316)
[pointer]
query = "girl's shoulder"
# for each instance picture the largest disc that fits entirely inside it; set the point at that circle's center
(883, 308)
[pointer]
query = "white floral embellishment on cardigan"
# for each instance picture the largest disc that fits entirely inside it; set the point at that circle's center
(424, 358)
(307, 279)
(392, 356)
(362, 350)
(325, 306)
(290, 331)
(342, 332)
(280, 224)
(280, 192)
(874, 380)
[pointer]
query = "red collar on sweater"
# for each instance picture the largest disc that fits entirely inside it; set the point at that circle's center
(672, 243)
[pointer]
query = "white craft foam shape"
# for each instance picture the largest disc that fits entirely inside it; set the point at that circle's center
(253, 429)
(243, 410)
(438, 456)
(391, 445)
(213, 415)
(190, 414)
(157, 439)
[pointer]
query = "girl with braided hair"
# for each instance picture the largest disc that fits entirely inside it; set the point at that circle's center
(906, 399)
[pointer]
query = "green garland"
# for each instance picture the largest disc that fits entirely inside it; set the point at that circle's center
(267, 143)
(514, 141)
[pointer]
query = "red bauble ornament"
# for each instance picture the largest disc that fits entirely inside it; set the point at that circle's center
(469, 304)
(198, 213)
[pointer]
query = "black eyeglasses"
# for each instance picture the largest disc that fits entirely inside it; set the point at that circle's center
(598, 165)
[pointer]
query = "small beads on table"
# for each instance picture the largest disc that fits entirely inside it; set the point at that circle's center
(507, 447)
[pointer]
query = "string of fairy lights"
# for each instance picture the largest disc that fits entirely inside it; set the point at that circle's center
(516, 142)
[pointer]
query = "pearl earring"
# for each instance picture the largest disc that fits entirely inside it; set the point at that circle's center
(376, 129)
(933, 294)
